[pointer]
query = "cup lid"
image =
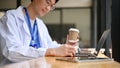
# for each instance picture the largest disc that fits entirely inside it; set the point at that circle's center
(74, 29)
(73, 41)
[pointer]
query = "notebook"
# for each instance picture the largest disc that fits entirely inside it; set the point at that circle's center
(85, 56)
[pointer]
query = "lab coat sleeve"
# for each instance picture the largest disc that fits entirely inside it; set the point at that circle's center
(45, 36)
(11, 46)
(51, 43)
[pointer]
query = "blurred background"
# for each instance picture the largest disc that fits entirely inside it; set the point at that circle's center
(91, 17)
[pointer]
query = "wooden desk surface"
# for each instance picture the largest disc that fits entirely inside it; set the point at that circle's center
(51, 62)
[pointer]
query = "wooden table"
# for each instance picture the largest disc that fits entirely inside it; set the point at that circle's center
(51, 62)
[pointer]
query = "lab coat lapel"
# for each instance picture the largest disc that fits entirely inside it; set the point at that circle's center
(42, 39)
(23, 21)
(25, 26)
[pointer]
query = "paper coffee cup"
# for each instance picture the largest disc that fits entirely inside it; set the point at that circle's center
(73, 37)
(73, 34)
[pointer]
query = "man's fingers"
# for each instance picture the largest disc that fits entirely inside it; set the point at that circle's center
(70, 54)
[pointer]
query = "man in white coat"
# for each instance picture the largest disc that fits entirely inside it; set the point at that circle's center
(24, 36)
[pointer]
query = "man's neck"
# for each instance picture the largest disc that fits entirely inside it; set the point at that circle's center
(31, 12)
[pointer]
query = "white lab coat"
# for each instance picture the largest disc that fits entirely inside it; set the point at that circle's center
(15, 38)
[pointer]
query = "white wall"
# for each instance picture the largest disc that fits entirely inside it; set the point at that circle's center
(25, 2)
(81, 17)
(74, 3)
(1, 14)
(52, 17)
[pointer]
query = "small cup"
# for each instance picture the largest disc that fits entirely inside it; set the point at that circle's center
(73, 37)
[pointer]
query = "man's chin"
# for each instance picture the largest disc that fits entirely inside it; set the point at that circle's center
(42, 15)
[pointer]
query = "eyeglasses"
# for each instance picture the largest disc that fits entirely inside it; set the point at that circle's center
(52, 7)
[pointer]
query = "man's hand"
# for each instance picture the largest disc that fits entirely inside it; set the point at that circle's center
(64, 50)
